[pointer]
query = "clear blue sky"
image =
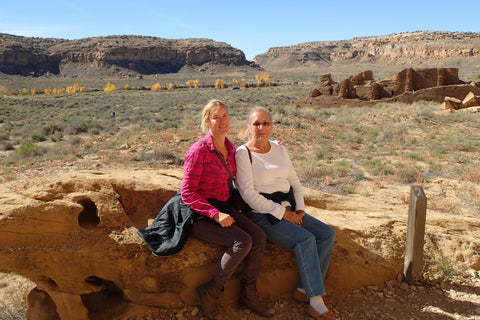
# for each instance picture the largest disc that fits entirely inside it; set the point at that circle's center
(251, 26)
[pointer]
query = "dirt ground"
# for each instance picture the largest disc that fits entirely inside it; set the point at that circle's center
(395, 300)
(457, 236)
(456, 298)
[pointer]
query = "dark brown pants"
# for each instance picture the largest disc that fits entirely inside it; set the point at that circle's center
(244, 240)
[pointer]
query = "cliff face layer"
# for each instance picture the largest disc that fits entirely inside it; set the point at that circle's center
(144, 55)
(395, 49)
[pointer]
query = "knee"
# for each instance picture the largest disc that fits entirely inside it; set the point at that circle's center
(244, 243)
(332, 234)
(260, 238)
(330, 238)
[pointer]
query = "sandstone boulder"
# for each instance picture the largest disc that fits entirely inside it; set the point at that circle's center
(451, 103)
(471, 100)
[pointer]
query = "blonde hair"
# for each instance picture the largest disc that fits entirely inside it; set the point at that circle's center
(207, 110)
(245, 131)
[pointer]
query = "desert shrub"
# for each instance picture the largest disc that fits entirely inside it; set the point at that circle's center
(460, 157)
(315, 177)
(412, 156)
(377, 167)
(51, 128)
(5, 130)
(408, 174)
(161, 155)
(84, 125)
(438, 152)
(170, 124)
(395, 133)
(470, 173)
(36, 136)
(319, 154)
(59, 151)
(443, 267)
(7, 145)
(26, 152)
(30, 149)
(342, 167)
(75, 140)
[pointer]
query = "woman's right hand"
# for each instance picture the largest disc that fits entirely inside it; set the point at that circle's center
(292, 217)
(224, 219)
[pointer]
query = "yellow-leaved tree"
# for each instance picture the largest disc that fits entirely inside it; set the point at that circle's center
(110, 87)
(156, 87)
(263, 80)
(219, 84)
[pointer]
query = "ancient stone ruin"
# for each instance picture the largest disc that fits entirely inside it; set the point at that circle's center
(407, 82)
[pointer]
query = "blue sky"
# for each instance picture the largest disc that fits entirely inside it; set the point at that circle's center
(251, 26)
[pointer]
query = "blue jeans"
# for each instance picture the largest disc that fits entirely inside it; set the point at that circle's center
(312, 243)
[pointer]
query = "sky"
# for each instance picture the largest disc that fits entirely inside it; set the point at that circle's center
(251, 26)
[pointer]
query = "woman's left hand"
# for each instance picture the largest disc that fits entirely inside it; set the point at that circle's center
(300, 214)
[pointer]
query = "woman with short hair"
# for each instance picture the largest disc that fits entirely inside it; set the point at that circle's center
(268, 183)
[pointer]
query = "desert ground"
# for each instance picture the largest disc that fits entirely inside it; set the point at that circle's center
(363, 159)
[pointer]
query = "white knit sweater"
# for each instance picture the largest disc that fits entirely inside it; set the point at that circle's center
(268, 173)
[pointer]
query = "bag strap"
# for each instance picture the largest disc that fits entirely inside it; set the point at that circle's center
(230, 180)
(249, 154)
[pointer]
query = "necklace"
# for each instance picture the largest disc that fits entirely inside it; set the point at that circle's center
(261, 149)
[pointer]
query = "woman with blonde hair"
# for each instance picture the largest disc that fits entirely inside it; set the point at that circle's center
(206, 188)
(269, 184)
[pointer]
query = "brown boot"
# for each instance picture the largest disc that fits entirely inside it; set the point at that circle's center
(250, 299)
(209, 293)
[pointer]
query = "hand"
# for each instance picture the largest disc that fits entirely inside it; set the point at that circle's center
(292, 217)
(301, 214)
(223, 219)
(280, 142)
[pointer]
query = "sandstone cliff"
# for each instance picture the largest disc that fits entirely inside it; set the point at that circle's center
(135, 54)
(414, 48)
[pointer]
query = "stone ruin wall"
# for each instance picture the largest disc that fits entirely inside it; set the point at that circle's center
(364, 87)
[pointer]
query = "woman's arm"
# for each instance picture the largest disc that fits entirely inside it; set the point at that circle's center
(192, 174)
(296, 185)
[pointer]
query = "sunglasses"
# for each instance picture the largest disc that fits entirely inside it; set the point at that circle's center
(263, 124)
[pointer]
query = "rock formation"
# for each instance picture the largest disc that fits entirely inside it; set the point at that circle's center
(143, 55)
(412, 48)
(471, 100)
(75, 236)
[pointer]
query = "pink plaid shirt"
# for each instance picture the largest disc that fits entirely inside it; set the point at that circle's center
(205, 176)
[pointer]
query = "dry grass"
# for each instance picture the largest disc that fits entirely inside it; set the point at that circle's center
(333, 149)
(340, 151)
